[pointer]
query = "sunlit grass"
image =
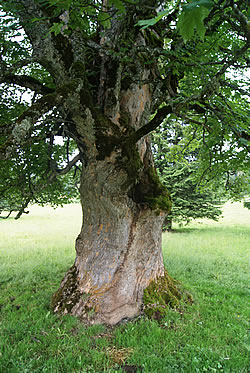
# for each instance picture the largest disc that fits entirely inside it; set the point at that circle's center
(210, 259)
(42, 238)
(211, 246)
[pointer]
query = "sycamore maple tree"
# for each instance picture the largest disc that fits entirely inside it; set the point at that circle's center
(102, 75)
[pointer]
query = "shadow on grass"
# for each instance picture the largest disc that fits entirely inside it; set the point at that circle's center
(182, 230)
(207, 229)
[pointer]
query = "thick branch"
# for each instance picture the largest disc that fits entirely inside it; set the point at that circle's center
(6, 217)
(27, 82)
(47, 102)
(20, 64)
(22, 128)
(11, 69)
(152, 125)
(22, 209)
(52, 52)
(71, 163)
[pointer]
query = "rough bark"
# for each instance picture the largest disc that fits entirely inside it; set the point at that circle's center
(118, 251)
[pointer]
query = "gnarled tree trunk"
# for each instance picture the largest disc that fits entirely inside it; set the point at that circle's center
(118, 251)
(106, 102)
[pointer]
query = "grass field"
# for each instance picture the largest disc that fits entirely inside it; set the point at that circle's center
(210, 259)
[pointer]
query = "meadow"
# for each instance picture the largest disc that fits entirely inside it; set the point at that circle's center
(210, 259)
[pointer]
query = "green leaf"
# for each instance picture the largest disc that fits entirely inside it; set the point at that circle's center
(104, 20)
(192, 18)
(145, 23)
(90, 10)
(36, 19)
(56, 28)
(197, 3)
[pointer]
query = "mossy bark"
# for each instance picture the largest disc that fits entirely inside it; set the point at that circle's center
(118, 251)
(162, 294)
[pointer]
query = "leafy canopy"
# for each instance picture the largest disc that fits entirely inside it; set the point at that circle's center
(196, 52)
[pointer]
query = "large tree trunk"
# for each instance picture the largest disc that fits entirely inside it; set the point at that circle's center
(118, 251)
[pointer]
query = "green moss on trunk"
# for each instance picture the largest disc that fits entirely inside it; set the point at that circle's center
(151, 192)
(67, 295)
(131, 163)
(162, 294)
(158, 197)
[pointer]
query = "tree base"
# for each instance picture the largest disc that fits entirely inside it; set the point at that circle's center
(161, 294)
(69, 299)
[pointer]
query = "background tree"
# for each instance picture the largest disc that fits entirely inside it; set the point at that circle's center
(247, 204)
(177, 168)
(189, 200)
(103, 75)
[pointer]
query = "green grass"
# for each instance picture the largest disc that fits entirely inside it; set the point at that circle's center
(210, 259)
